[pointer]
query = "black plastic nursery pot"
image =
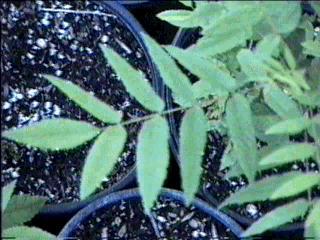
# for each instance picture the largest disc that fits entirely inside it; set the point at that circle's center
(39, 38)
(120, 216)
(246, 216)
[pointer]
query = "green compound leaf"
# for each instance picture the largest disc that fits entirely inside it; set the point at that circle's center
(252, 66)
(275, 187)
(193, 137)
(85, 100)
(20, 209)
(27, 233)
(53, 134)
(242, 134)
(204, 69)
(101, 159)
(134, 81)
(290, 126)
(281, 103)
(278, 217)
(311, 48)
(170, 72)
(6, 194)
(152, 159)
(289, 153)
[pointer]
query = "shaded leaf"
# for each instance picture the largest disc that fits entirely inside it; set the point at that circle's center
(27, 233)
(275, 187)
(278, 217)
(20, 209)
(314, 130)
(170, 72)
(134, 81)
(288, 56)
(311, 48)
(316, 6)
(281, 103)
(152, 159)
(85, 100)
(241, 131)
(204, 69)
(289, 153)
(193, 137)
(101, 159)
(6, 194)
(290, 126)
(310, 98)
(53, 134)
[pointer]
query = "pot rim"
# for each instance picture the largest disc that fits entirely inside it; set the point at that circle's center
(129, 178)
(113, 198)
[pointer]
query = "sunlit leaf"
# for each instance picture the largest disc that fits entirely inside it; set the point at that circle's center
(289, 153)
(290, 126)
(242, 134)
(187, 3)
(134, 81)
(152, 159)
(278, 217)
(170, 72)
(288, 56)
(85, 100)
(281, 103)
(27, 233)
(20, 209)
(193, 137)
(275, 187)
(179, 18)
(268, 46)
(6, 194)
(53, 134)
(204, 69)
(101, 159)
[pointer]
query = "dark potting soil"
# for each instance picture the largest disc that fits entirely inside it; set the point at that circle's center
(35, 42)
(215, 185)
(170, 220)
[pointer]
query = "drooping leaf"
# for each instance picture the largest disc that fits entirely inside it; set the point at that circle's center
(252, 66)
(281, 16)
(85, 100)
(204, 69)
(193, 134)
(27, 233)
(6, 194)
(152, 159)
(289, 153)
(241, 131)
(101, 159)
(278, 217)
(134, 81)
(311, 48)
(170, 72)
(20, 209)
(290, 126)
(275, 187)
(53, 134)
(281, 103)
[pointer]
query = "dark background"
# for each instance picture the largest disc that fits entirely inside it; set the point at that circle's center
(164, 33)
